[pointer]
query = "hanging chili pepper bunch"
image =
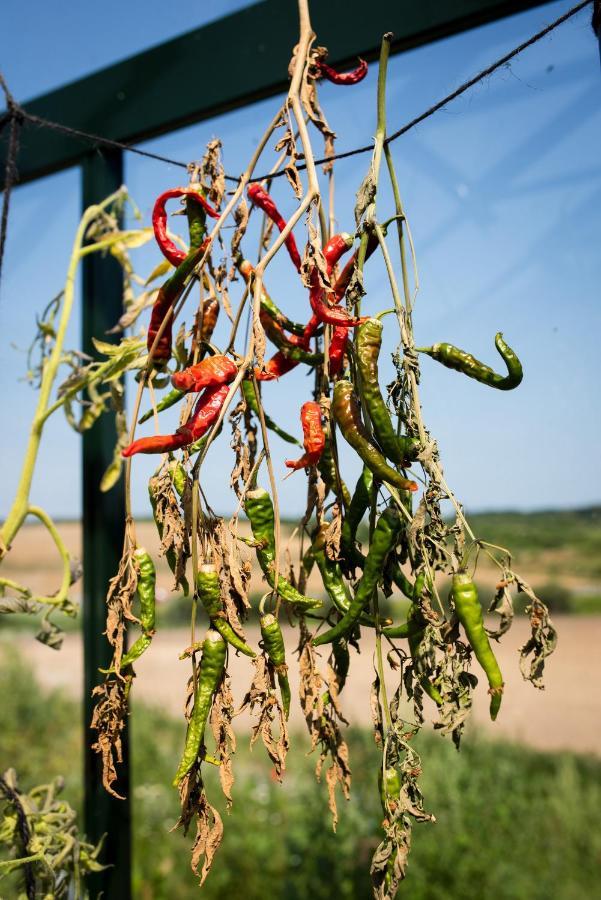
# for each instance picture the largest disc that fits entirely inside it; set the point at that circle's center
(385, 538)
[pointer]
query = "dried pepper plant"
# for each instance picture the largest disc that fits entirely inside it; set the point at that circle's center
(38, 834)
(443, 648)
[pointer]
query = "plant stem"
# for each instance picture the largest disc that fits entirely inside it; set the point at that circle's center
(18, 511)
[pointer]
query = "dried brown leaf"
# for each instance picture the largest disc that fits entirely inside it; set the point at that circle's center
(262, 694)
(222, 713)
(108, 719)
(334, 533)
(241, 214)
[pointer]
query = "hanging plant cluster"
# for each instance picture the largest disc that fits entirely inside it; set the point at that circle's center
(386, 536)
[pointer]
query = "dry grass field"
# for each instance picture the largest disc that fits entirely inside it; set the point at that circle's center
(565, 715)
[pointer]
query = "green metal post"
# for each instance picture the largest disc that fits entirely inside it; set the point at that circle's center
(103, 518)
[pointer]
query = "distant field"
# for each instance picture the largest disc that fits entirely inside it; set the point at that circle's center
(558, 552)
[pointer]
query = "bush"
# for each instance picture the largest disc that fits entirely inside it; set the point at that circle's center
(512, 823)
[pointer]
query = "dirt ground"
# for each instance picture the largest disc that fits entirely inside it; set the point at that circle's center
(565, 715)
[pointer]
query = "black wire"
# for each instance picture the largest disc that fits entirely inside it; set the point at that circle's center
(454, 94)
(17, 112)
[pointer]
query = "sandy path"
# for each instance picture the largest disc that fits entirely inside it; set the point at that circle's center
(564, 716)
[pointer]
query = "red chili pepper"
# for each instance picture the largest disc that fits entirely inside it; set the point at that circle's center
(314, 439)
(278, 365)
(159, 221)
(259, 197)
(158, 443)
(345, 276)
(205, 413)
(336, 247)
(331, 315)
(338, 349)
(352, 77)
(212, 370)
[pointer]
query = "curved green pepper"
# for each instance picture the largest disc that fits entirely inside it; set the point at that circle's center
(329, 473)
(209, 594)
(454, 358)
(212, 664)
(383, 540)
(331, 576)
(259, 509)
(469, 612)
(345, 409)
(273, 642)
(400, 449)
(147, 595)
(357, 508)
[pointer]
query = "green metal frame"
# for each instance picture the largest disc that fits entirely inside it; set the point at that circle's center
(139, 98)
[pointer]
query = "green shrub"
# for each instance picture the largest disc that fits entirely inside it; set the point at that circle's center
(512, 823)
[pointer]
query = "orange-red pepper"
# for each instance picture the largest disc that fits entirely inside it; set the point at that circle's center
(159, 221)
(314, 439)
(205, 413)
(352, 77)
(331, 315)
(211, 371)
(259, 197)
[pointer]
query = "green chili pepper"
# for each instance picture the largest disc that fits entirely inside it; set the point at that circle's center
(345, 410)
(357, 508)
(279, 317)
(209, 594)
(179, 477)
(246, 269)
(146, 588)
(396, 574)
(454, 358)
(342, 661)
(414, 629)
(168, 400)
(383, 540)
(399, 449)
(250, 397)
(197, 222)
(389, 784)
(209, 675)
(331, 576)
(200, 443)
(329, 472)
(291, 351)
(147, 596)
(396, 631)
(135, 651)
(273, 643)
(259, 509)
(469, 612)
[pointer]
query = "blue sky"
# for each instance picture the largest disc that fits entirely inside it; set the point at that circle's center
(502, 190)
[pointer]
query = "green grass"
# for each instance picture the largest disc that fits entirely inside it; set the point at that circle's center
(511, 822)
(528, 534)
